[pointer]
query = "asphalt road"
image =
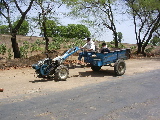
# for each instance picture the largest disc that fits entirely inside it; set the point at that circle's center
(129, 98)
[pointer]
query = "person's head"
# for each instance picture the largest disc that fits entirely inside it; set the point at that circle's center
(88, 39)
(103, 44)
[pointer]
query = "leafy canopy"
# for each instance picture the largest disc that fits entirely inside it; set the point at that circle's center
(70, 31)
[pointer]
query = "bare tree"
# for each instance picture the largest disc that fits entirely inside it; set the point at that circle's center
(6, 11)
(146, 18)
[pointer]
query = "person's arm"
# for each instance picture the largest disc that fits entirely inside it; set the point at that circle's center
(84, 45)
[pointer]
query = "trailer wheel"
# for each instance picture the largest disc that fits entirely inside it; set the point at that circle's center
(119, 67)
(61, 73)
(96, 68)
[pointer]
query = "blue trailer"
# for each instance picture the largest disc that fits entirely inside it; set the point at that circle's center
(97, 60)
(55, 67)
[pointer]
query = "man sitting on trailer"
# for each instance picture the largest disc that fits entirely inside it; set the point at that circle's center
(88, 47)
(104, 48)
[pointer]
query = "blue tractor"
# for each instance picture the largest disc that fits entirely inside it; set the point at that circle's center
(55, 67)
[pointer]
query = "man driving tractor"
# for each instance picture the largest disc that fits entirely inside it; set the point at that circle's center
(88, 47)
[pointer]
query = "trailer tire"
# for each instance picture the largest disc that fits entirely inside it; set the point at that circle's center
(96, 68)
(61, 73)
(119, 67)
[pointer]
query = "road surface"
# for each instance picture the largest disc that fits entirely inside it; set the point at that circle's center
(128, 98)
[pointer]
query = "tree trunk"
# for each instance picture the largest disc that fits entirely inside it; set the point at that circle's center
(45, 33)
(116, 39)
(139, 47)
(47, 43)
(15, 46)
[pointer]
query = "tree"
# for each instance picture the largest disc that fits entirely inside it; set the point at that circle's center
(8, 9)
(146, 18)
(46, 10)
(70, 31)
(96, 13)
(24, 28)
(77, 31)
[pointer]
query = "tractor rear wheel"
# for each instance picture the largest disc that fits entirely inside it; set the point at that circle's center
(119, 67)
(61, 73)
(95, 68)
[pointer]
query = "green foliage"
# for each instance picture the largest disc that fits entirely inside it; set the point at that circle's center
(51, 27)
(133, 48)
(77, 31)
(9, 54)
(149, 4)
(61, 42)
(4, 29)
(121, 46)
(3, 49)
(120, 37)
(24, 28)
(148, 50)
(24, 49)
(71, 31)
(36, 46)
(112, 42)
(155, 41)
(110, 45)
(39, 42)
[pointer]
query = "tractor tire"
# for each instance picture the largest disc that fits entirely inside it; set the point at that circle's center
(61, 73)
(96, 68)
(119, 67)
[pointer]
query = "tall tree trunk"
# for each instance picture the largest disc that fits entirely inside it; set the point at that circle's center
(47, 43)
(15, 46)
(45, 33)
(139, 44)
(115, 39)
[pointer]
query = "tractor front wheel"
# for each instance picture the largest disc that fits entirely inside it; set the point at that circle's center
(61, 73)
(119, 67)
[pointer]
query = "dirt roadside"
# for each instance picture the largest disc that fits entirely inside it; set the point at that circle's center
(17, 82)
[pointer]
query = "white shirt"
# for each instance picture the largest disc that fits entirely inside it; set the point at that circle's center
(89, 45)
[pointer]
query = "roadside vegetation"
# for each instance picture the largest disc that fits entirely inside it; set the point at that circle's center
(99, 15)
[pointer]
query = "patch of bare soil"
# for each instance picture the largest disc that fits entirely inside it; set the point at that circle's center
(22, 82)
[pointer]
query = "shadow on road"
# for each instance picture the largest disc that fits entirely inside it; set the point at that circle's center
(100, 73)
(43, 80)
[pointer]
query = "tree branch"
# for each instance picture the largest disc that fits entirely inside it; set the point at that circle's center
(23, 16)
(18, 7)
(151, 29)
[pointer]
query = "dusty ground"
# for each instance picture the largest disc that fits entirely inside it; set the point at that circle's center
(21, 82)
